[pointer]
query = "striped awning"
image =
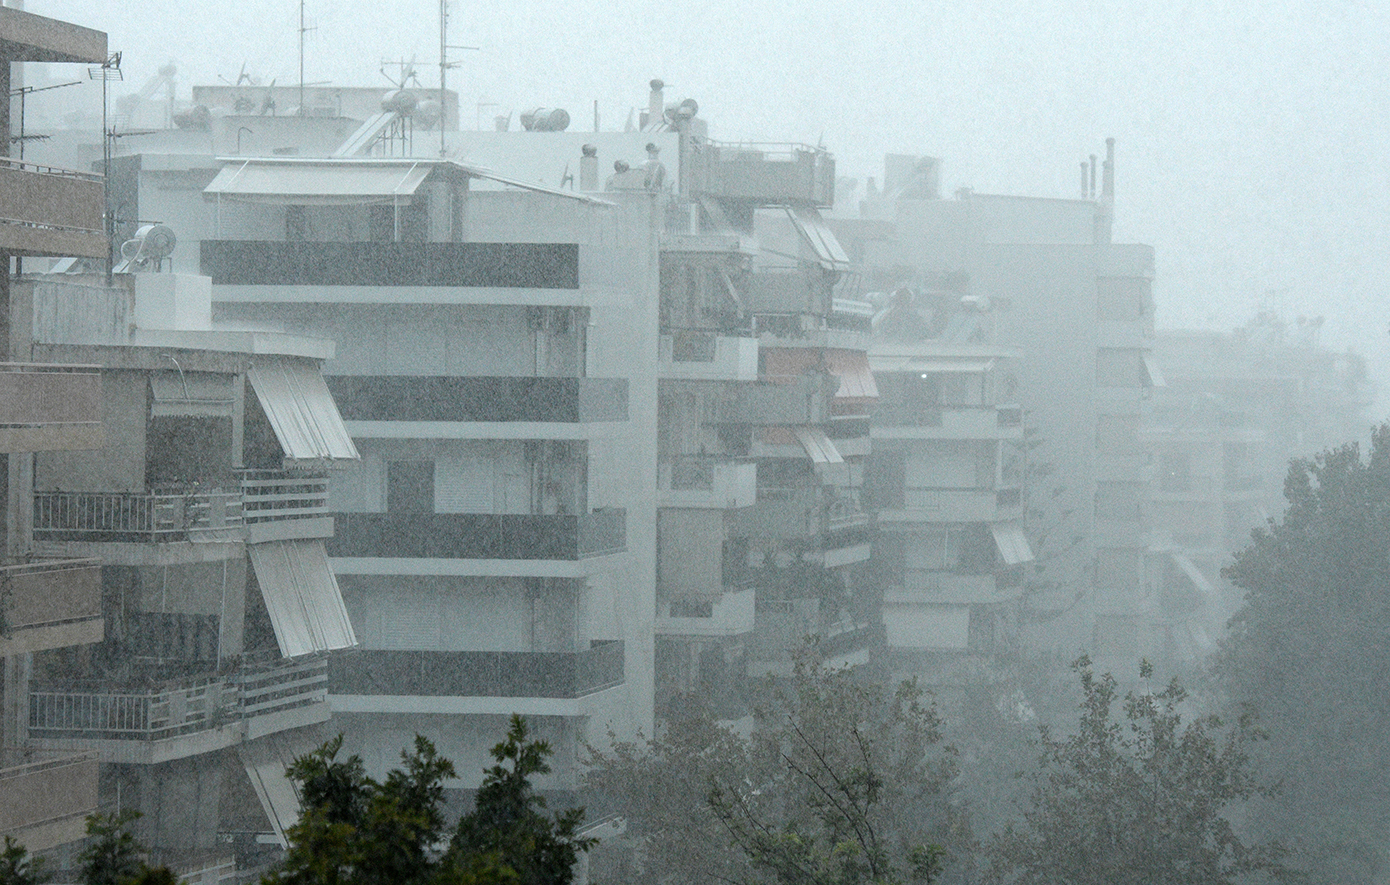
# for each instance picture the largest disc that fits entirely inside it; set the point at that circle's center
(818, 446)
(1012, 543)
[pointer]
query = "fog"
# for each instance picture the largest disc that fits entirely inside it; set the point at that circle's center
(1251, 146)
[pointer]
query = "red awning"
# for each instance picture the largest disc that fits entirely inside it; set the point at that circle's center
(856, 379)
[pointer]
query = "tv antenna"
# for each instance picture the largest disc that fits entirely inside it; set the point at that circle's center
(303, 29)
(445, 64)
(23, 92)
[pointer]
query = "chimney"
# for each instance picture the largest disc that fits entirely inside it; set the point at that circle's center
(588, 169)
(656, 106)
(1107, 192)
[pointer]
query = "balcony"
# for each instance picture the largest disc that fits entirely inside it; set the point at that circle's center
(391, 265)
(782, 629)
(479, 398)
(766, 174)
(268, 505)
(45, 605)
(46, 797)
(516, 536)
(486, 674)
(182, 717)
(49, 408)
(948, 422)
(940, 587)
(49, 211)
(801, 512)
(789, 291)
(707, 483)
(956, 505)
(701, 355)
(799, 400)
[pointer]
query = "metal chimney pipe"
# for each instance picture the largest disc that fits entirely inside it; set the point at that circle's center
(656, 105)
(1107, 193)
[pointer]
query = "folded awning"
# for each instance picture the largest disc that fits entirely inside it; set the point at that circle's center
(927, 366)
(265, 760)
(1153, 376)
(327, 183)
(856, 378)
(301, 411)
(818, 446)
(1012, 543)
(301, 596)
(829, 253)
(191, 395)
(1194, 574)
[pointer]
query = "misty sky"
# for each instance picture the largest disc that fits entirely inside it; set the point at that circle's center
(1253, 138)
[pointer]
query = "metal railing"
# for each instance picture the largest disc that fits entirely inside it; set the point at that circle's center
(268, 495)
(116, 516)
(199, 704)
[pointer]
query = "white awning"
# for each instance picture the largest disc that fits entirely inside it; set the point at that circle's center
(1153, 376)
(302, 597)
(925, 366)
(191, 395)
(488, 175)
(819, 237)
(1012, 543)
(817, 445)
(301, 411)
(1194, 574)
(326, 183)
(265, 761)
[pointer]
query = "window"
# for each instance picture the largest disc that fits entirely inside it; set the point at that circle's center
(410, 487)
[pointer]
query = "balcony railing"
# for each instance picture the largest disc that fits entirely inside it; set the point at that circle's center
(195, 705)
(505, 674)
(468, 265)
(765, 173)
(803, 399)
(132, 516)
(789, 291)
(707, 483)
(271, 495)
(704, 355)
(38, 788)
(45, 210)
(517, 536)
(46, 407)
(479, 398)
(37, 594)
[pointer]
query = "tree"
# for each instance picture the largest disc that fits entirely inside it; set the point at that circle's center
(842, 781)
(1138, 800)
(1309, 649)
(113, 856)
(508, 828)
(357, 830)
(18, 868)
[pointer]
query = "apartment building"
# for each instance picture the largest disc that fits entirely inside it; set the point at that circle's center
(1237, 407)
(1078, 308)
(45, 604)
(945, 481)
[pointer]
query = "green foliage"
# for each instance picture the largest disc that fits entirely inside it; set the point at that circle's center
(841, 782)
(18, 868)
(112, 855)
(1138, 800)
(356, 830)
(1308, 648)
(509, 829)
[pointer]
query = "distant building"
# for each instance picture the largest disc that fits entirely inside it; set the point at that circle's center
(1237, 407)
(1079, 311)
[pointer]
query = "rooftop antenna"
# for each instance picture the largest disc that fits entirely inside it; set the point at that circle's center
(302, 31)
(445, 64)
(106, 72)
(23, 92)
